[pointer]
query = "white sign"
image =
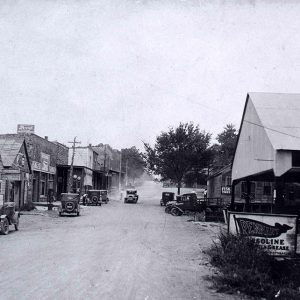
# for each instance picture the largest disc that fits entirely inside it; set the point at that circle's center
(274, 233)
(226, 190)
(25, 128)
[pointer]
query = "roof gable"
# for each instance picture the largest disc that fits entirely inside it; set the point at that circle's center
(9, 149)
(279, 115)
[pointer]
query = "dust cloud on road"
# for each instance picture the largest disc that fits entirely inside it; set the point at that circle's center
(116, 251)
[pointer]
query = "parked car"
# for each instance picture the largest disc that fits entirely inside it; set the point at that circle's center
(69, 204)
(94, 197)
(166, 197)
(104, 196)
(131, 196)
(185, 202)
(8, 216)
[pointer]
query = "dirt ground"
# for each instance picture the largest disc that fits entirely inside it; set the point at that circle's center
(117, 251)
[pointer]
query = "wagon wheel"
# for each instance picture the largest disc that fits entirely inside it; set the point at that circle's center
(17, 224)
(4, 226)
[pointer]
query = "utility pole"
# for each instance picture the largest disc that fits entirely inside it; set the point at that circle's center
(120, 173)
(70, 181)
(105, 177)
(126, 173)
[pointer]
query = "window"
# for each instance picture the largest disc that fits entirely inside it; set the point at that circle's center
(267, 190)
(228, 181)
(296, 158)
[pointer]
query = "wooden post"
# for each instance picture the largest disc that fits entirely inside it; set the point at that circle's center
(232, 195)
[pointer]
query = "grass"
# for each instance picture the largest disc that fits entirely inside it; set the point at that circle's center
(245, 268)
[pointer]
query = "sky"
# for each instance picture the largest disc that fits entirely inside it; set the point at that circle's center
(121, 72)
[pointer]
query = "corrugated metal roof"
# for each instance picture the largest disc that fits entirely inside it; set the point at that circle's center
(280, 117)
(9, 148)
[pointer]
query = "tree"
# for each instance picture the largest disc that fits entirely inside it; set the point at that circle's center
(132, 163)
(178, 151)
(224, 150)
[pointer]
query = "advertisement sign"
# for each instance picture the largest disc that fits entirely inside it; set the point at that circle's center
(274, 233)
(25, 128)
(12, 177)
(226, 190)
(44, 165)
(45, 162)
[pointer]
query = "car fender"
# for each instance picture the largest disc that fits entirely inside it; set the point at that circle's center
(2, 217)
(178, 208)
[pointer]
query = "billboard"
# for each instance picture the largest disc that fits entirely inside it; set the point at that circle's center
(25, 128)
(274, 233)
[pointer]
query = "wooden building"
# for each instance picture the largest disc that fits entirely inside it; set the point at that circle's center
(268, 151)
(15, 169)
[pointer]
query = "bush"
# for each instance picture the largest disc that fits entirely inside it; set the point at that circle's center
(246, 268)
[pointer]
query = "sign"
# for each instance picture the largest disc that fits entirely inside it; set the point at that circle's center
(44, 165)
(25, 128)
(274, 233)
(12, 177)
(45, 162)
(226, 190)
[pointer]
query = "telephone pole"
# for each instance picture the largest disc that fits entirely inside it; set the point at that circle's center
(70, 181)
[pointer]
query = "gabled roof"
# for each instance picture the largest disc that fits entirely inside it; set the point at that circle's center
(280, 117)
(9, 149)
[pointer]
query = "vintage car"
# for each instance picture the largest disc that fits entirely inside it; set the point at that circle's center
(94, 197)
(69, 204)
(166, 197)
(131, 196)
(104, 196)
(8, 216)
(185, 202)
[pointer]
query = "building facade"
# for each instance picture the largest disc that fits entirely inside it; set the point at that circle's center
(15, 170)
(44, 156)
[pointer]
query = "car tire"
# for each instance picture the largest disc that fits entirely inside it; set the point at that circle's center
(4, 226)
(175, 211)
(167, 210)
(17, 224)
(78, 214)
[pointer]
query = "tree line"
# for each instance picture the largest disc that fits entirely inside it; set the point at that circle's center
(182, 154)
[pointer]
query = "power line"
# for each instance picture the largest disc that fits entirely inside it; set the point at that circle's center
(271, 129)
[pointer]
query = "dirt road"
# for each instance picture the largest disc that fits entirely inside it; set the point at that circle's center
(117, 251)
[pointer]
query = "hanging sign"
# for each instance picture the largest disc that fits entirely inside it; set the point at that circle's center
(274, 233)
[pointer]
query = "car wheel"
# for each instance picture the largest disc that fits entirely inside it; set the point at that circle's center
(4, 226)
(175, 211)
(167, 210)
(17, 224)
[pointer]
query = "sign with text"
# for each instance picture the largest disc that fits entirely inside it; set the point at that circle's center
(25, 128)
(274, 233)
(226, 190)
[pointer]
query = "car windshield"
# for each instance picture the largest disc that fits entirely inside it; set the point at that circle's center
(131, 192)
(103, 192)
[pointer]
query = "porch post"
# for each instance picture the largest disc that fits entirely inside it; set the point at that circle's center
(232, 195)
(247, 199)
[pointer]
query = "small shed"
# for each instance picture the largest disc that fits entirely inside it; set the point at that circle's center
(268, 148)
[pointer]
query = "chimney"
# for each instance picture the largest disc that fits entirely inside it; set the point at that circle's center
(46, 138)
